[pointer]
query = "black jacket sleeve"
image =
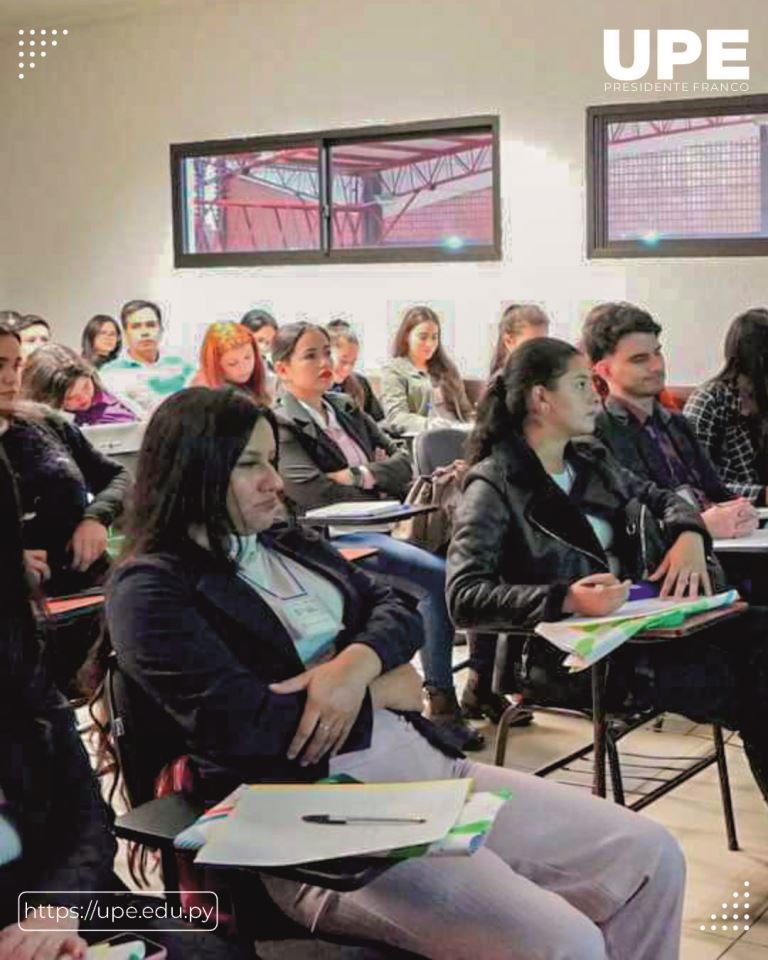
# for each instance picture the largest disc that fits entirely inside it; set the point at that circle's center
(74, 848)
(476, 594)
(393, 475)
(106, 479)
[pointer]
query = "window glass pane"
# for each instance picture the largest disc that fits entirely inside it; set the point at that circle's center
(435, 191)
(259, 201)
(696, 177)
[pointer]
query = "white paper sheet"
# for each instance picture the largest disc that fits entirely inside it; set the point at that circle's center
(756, 542)
(355, 508)
(267, 830)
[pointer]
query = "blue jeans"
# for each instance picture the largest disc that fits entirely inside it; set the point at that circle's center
(422, 575)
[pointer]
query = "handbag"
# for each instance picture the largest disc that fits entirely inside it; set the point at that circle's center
(442, 489)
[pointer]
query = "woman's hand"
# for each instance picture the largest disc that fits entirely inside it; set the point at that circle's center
(42, 944)
(596, 595)
(399, 689)
(36, 562)
(88, 543)
(684, 568)
(734, 518)
(335, 693)
(344, 477)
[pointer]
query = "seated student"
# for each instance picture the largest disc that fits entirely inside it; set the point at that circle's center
(730, 412)
(34, 332)
(263, 326)
(142, 374)
(422, 387)
(280, 661)
(622, 343)
(58, 377)
(544, 530)
(70, 493)
(519, 322)
(345, 346)
(101, 340)
(229, 355)
(55, 831)
(330, 451)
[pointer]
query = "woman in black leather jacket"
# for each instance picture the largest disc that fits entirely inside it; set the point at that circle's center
(547, 526)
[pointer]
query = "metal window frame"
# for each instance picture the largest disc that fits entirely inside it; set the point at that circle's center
(597, 120)
(324, 141)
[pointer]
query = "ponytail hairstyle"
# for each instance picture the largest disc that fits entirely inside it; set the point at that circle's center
(220, 338)
(504, 406)
(513, 321)
(440, 367)
(338, 335)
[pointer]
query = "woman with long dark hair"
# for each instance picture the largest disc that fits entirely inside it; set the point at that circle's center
(101, 340)
(70, 493)
(548, 526)
(279, 661)
(730, 412)
(519, 322)
(422, 386)
(334, 452)
(58, 377)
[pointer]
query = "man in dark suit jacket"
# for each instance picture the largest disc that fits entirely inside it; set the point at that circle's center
(622, 343)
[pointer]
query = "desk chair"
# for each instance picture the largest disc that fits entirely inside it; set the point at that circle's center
(438, 448)
(608, 728)
(156, 822)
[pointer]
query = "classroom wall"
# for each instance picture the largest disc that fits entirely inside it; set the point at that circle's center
(85, 202)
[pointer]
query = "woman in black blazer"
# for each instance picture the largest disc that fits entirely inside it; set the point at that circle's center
(331, 451)
(277, 660)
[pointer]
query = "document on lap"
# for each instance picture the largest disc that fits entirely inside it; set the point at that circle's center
(267, 828)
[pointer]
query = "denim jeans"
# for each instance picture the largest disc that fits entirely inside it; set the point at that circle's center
(421, 574)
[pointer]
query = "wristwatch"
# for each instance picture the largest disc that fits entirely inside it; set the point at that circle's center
(358, 479)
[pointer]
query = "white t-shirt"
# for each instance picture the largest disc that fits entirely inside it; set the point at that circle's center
(602, 529)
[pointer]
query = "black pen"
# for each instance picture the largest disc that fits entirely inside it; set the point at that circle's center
(340, 820)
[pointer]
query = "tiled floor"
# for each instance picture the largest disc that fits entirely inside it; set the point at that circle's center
(692, 812)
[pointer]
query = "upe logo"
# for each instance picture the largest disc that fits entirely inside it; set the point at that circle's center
(678, 48)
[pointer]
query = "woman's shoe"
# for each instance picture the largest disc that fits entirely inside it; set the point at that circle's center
(477, 703)
(443, 710)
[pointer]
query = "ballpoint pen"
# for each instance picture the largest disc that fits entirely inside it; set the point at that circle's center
(340, 819)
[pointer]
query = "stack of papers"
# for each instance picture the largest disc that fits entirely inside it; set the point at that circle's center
(265, 824)
(356, 508)
(587, 639)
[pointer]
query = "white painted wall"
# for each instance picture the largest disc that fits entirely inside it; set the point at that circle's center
(85, 197)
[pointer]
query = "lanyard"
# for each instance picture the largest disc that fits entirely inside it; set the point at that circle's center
(291, 576)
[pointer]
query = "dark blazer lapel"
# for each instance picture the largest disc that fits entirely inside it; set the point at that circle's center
(350, 425)
(239, 603)
(311, 434)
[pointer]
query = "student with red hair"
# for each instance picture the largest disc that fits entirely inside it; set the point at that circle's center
(229, 355)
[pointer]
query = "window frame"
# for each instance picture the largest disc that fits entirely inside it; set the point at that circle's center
(597, 120)
(324, 141)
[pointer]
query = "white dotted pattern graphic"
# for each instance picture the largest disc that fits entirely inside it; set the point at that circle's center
(30, 53)
(740, 902)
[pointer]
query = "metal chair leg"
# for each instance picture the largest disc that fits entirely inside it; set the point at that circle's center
(614, 765)
(725, 787)
(502, 733)
(598, 727)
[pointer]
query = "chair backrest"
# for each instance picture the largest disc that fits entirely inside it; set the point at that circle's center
(144, 738)
(438, 448)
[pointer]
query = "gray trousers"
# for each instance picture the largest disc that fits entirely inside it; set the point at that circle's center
(562, 875)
